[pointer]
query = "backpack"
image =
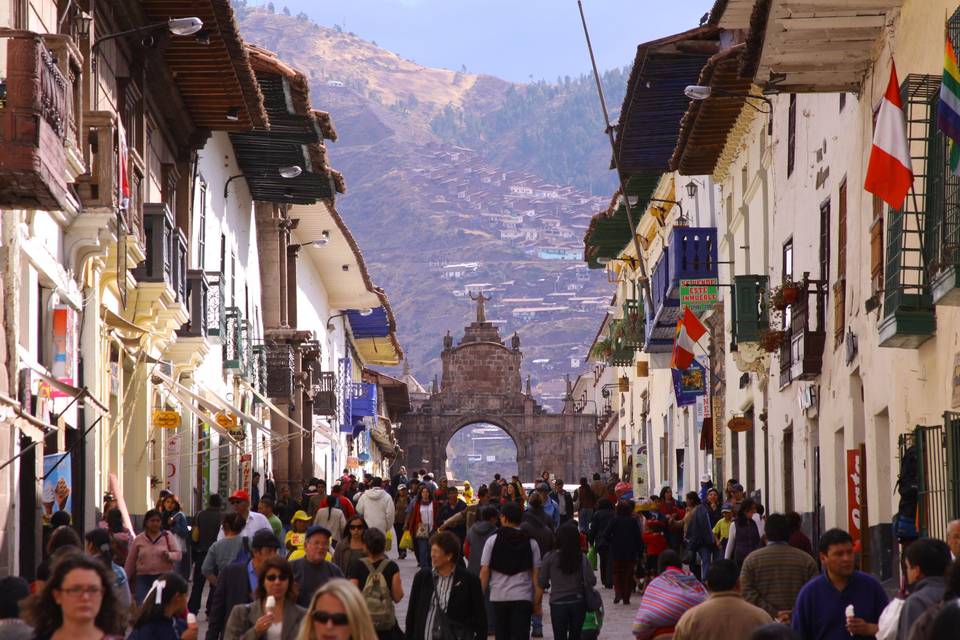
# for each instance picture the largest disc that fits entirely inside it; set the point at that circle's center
(244, 554)
(376, 593)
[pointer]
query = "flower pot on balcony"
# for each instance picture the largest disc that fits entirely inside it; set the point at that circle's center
(785, 295)
(771, 341)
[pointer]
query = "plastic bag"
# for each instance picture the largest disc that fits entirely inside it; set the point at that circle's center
(389, 540)
(592, 556)
(406, 542)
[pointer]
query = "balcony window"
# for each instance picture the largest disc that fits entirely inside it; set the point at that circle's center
(197, 298)
(281, 360)
(161, 243)
(35, 121)
(751, 307)
(236, 342)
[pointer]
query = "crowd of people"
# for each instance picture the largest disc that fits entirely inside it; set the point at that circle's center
(275, 567)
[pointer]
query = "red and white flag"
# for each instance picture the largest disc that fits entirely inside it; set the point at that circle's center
(123, 178)
(689, 330)
(890, 172)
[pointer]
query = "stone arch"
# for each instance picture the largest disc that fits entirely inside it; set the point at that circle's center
(459, 422)
(503, 464)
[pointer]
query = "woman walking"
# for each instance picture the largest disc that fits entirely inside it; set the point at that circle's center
(160, 616)
(400, 505)
(447, 600)
(337, 612)
(598, 526)
(351, 548)
(174, 521)
(567, 573)
(667, 598)
(378, 579)
(744, 533)
(624, 537)
(77, 603)
(273, 614)
(98, 546)
(153, 552)
(331, 517)
(422, 523)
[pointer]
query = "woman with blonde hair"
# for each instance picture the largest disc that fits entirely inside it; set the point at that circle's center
(337, 612)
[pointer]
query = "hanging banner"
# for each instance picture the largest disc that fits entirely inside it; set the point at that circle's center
(854, 493)
(57, 490)
(689, 383)
(172, 450)
(246, 471)
(64, 337)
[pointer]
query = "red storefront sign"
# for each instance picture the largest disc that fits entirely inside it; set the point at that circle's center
(854, 493)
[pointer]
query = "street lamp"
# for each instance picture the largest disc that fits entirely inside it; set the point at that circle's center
(320, 242)
(176, 26)
(288, 173)
(701, 92)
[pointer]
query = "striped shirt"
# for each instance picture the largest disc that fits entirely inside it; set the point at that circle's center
(441, 597)
(772, 576)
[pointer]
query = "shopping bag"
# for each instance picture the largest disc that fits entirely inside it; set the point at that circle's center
(592, 556)
(406, 542)
(389, 540)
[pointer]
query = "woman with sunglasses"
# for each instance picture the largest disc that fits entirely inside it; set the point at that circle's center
(352, 548)
(337, 612)
(76, 603)
(274, 613)
(161, 616)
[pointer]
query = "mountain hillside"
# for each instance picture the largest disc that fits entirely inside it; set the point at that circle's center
(453, 187)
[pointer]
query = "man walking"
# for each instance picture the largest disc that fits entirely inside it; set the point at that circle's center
(206, 525)
(453, 506)
(549, 506)
(563, 500)
(821, 609)
(772, 577)
(586, 504)
(477, 537)
(240, 501)
(724, 615)
(926, 561)
(237, 582)
(510, 566)
(313, 570)
(376, 507)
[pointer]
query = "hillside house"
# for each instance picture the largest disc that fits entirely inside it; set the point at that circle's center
(530, 313)
(560, 253)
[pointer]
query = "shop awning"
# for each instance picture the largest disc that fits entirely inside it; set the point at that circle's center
(78, 393)
(212, 407)
(116, 321)
(609, 230)
(327, 432)
(32, 427)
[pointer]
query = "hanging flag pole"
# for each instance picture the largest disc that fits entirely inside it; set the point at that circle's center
(644, 279)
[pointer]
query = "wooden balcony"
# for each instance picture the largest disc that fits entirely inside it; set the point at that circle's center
(801, 356)
(325, 394)
(197, 292)
(36, 124)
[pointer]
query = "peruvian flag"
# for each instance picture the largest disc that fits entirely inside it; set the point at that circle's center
(689, 330)
(890, 173)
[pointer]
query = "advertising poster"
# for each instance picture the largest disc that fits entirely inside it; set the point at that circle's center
(854, 493)
(689, 384)
(56, 491)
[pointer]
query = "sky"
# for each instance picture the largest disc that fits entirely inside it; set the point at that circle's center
(517, 40)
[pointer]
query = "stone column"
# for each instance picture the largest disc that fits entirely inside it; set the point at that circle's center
(272, 265)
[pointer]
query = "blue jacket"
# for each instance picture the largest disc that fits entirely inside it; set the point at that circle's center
(700, 530)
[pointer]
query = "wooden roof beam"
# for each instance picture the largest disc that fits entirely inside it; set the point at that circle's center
(832, 24)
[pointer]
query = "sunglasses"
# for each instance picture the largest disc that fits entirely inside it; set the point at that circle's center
(325, 617)
(273, 577)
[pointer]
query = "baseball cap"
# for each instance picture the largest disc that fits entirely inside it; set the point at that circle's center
(239, 494)
(300, 515)
(318, 529)
(726, 507)
(401, 487)
(737, 487)
(264, 539)
(705, 478)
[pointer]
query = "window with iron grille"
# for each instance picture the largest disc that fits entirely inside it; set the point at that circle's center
(202, 223)
(792, 134)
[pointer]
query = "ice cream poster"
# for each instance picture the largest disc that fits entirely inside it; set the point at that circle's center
(57, 491)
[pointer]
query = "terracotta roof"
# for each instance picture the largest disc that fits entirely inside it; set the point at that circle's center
(216, 77)
(758, 30)
(706, 124)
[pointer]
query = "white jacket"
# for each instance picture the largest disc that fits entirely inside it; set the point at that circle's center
(376, 507)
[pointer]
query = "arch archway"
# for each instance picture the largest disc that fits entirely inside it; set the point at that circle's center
(478, 450)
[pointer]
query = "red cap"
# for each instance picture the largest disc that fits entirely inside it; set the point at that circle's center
(239, 494)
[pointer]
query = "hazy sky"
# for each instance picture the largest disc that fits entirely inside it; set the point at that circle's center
(513, 39)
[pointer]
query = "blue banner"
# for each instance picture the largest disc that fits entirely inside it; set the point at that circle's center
(57, 490)
(689, 384)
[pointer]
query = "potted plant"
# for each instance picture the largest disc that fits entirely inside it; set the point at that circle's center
(602, 349)
(786, 294)
(771, 340)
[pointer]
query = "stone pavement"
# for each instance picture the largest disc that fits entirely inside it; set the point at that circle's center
(619, 617)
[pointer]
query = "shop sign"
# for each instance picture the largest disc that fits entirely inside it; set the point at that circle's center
(717, 427)
(166, 419)
(690, 383)
(64, 338)
(699, 295)
(227, 421)
(172, 456)
(353, 462)
(854, 493)
(740, 423)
